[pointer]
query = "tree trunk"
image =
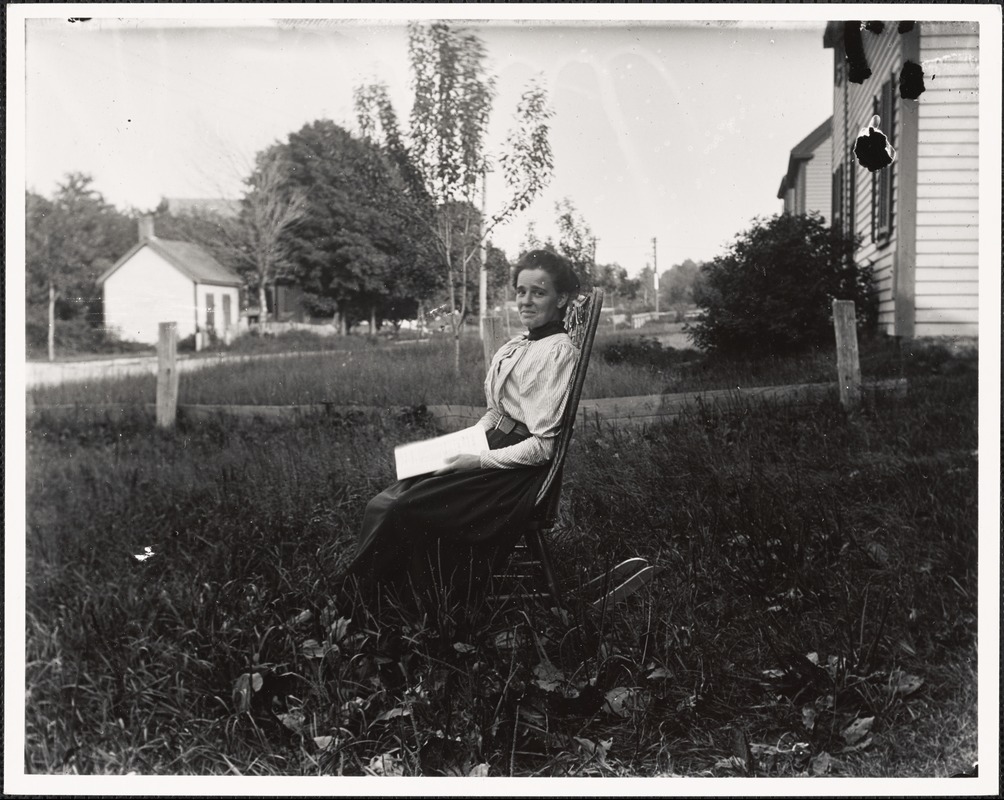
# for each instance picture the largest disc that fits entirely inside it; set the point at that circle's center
(262, 305)
(52, 321)
(373, 319)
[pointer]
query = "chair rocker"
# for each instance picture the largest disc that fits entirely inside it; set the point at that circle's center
(531, 557)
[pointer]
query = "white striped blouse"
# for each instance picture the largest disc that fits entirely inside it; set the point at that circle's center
(529, 382)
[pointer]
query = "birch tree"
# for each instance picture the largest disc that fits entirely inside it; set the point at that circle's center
(443, 158)
(270, 210)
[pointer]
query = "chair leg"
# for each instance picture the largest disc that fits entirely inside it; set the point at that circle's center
(539, 548)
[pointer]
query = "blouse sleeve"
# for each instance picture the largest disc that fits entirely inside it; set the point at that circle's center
(544, 403)
(490, 419)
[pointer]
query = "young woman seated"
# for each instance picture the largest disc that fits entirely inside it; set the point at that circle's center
(449, 528)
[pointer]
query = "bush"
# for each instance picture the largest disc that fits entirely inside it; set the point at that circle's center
(772, 292)
(74, 337)
(643, 351)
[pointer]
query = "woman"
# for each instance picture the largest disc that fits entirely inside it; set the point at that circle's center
(458, 520)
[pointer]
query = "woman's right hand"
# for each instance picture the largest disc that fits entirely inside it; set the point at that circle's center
(459, 463)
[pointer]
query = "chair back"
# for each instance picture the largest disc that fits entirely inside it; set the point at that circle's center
(581, 322)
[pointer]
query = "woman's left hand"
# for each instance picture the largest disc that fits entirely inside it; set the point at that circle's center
(458, 463)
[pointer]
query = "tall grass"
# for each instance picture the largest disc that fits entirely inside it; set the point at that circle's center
(779, 535)
(383, 374)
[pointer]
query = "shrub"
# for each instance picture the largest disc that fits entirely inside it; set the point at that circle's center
(73, 337)
(643, 351)
(772, 292)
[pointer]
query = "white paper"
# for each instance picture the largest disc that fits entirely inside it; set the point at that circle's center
(419, 458)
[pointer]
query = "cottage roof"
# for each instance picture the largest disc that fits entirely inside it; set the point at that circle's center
(804, 151)
(189, 259)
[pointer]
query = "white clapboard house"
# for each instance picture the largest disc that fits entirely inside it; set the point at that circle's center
(161, 280)
(918, 218)
(807, 185)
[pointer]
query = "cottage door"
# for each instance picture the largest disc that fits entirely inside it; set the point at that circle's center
(226, 314)
(210, 312)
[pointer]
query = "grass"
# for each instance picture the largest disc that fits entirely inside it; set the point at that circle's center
(780, 535)
(386, 374)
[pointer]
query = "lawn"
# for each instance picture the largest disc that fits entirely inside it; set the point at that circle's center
(383, 373)
(815, 612)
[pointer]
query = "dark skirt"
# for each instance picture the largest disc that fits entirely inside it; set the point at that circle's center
(441, 528)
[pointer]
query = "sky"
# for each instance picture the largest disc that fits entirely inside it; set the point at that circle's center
(673, 130)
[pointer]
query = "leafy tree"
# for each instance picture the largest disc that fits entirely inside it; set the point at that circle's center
(576, 241)
(70, 240)
(359, 251)
(676, 285)
(443, 160)
(771, 292)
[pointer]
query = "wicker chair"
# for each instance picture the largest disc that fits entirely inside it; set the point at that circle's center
(531, 558)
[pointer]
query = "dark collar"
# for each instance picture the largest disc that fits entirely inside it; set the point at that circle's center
(545, 330)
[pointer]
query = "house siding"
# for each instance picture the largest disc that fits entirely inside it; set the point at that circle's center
(947, 260)
(884, 55)
(818, 178)
(143, 292)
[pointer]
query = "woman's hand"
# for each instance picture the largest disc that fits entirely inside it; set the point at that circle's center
(460, 462)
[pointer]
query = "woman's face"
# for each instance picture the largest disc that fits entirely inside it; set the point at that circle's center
(537, 299)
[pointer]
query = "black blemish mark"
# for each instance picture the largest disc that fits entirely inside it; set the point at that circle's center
(872, 148)
(911, 81)
(875, 27)
(79, 19)
(858, 71)
(904, 27)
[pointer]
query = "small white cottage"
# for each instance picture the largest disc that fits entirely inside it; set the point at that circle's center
(160, 280)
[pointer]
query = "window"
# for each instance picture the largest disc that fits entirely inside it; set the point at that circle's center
(842, 196)
(882, 199)
(837, 198)
(210, 312)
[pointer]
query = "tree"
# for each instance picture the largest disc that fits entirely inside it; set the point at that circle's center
(359, 251)
(576, 241)
(443, 159)
(676, 285)
(270, 211)
(771, 293)
(70, 241)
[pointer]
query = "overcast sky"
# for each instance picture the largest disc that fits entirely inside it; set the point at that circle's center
(679, 131)
(668, 129)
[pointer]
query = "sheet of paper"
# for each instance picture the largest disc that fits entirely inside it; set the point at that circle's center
(419, 458)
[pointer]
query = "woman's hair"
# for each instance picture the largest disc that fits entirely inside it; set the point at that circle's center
(561, 272)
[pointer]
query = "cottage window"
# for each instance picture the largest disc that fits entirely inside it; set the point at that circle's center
(882, 195)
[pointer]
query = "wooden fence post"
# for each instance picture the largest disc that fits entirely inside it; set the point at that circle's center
(848, 364)
(493, 338)
(167, 374)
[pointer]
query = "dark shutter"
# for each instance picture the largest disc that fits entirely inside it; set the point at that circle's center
(882, 199)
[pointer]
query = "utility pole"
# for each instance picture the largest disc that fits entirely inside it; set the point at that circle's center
(655, 276)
